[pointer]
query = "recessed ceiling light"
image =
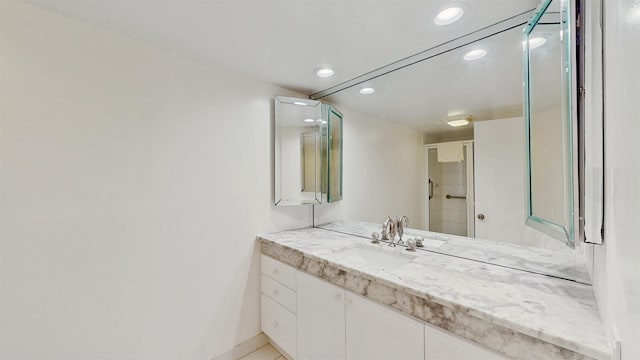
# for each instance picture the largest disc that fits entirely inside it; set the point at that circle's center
(367, 91)
(475, 54)
(309, 120)
(324, 72)
(536, 42)
(299, 103)
(449, 15)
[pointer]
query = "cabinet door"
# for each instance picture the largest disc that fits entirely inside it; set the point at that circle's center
(320, 319)
(375, 332)
(440, 345)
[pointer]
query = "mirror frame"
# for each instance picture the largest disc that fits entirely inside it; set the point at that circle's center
(566, 233)
(331, 114)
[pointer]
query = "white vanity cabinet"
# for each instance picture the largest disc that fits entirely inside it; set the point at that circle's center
(440, 345)
(312, 319)
(321, 319)
(375, 332)
(278, 304)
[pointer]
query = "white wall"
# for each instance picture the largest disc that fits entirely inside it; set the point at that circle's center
(132, 184)
(617, 263)
(382, 172)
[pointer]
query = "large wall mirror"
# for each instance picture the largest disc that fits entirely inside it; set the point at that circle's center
(487, 168)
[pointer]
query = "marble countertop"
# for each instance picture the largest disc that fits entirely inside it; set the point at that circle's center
(518, 313)
(563, 262)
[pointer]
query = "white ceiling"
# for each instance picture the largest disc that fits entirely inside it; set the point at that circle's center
(282, 41)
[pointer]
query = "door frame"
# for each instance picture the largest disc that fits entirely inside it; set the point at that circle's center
(468, 148)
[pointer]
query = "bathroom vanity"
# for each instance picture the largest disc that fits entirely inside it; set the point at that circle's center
(330, 295)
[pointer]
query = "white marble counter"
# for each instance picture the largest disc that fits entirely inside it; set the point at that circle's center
(564, 263)
(518, 313)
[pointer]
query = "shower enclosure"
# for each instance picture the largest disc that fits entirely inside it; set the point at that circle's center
(449, 200)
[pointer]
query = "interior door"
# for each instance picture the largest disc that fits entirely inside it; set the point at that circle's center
(499, 182)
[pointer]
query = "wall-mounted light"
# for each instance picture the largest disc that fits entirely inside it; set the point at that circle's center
(299, 103)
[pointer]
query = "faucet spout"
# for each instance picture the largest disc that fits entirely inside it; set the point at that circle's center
(401, 222)
(389, 227)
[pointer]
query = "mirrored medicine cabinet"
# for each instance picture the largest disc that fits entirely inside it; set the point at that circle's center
(308, 152)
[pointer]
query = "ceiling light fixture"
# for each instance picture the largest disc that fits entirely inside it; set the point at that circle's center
(460, 120)
(367, 91)
(449, 15)
(324, 72)
(309, 120)
(475, 54)
(536, 42)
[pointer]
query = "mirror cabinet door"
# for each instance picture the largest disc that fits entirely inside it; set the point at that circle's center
(549, 122)
(334, 154)
(298, 147)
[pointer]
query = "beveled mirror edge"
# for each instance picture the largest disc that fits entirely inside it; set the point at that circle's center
(332, 109)
(566, 234)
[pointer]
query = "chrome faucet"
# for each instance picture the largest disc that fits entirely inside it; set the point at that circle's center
(389, 229)
(401, 222)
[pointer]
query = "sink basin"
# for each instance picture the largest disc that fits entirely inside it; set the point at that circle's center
(381, 259)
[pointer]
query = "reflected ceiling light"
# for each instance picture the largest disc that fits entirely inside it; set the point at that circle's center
(309, 120)
(367, 91)
(460, 120)
(324, 72)
(475, 54)
(299, 103)
(536, 42)
(449, 15)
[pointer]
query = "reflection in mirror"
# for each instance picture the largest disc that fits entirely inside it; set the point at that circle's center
(334, 145)
(480, 164)
(548, 124)
(297, 151)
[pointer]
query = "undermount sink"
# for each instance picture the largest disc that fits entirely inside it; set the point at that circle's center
(382, 259)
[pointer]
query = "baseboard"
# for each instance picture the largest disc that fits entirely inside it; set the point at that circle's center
(284, 353)
(244, 348)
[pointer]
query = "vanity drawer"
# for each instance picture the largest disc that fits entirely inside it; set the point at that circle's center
(279, 324)
(284, 274)
(279, 293)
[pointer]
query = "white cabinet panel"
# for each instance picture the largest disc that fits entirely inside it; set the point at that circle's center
(375, 332)
(279, 324)
(278, 271)
(441, 345)
(280, 293)
(321, 319)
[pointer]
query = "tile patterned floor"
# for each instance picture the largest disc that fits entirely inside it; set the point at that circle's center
(266, 352)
